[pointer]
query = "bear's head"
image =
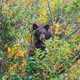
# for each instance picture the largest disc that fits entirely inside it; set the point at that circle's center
(41, 33)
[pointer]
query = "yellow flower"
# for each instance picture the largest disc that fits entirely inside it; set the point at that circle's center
(42, 20)
(8, 50)
(42, 12)
(42, 16)
(57, 28)
(19, 53)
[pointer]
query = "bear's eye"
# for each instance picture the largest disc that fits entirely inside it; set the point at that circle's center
(42, 32)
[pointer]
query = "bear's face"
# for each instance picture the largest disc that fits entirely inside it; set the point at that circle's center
(41, 33)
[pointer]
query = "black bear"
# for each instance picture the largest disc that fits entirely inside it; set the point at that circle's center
(41, 33)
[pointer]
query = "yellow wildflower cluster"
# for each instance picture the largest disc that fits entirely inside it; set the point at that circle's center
(42, 15)
(15, 50)
(20, 53)
(57, 28)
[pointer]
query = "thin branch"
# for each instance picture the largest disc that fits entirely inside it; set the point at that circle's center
(50, 15)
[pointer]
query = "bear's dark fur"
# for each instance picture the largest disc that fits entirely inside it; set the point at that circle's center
(41, 33)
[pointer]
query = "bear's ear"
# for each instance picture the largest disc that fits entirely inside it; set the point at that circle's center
(35, 26)
(46, 27)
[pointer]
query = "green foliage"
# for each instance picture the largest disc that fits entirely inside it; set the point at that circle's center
(74, 6)
(16, 35)
(72, 10)
(7, 34)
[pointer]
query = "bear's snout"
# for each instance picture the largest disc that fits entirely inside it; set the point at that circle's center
(42, 37)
